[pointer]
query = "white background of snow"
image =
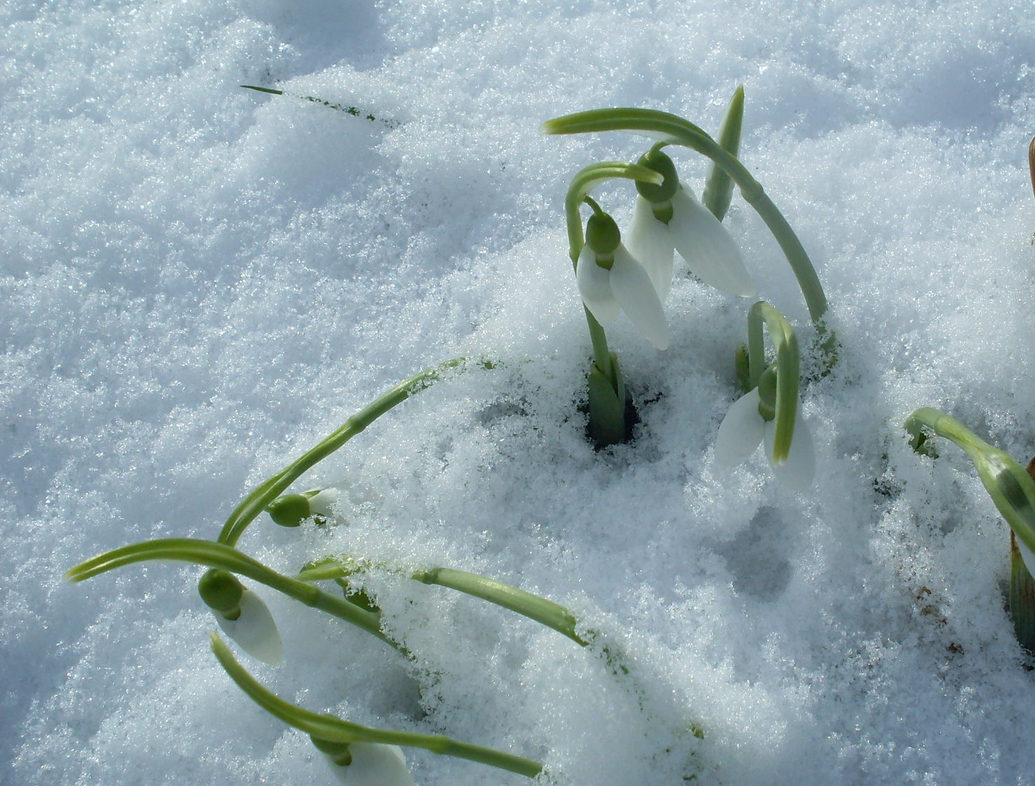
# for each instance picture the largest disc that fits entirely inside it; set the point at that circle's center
(198, 282)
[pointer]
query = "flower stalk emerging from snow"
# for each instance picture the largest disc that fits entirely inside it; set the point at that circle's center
(769, 411)
(1012, 490)
(266, 492)
(607, 424)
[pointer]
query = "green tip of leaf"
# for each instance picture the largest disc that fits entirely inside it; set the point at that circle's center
(269, 90)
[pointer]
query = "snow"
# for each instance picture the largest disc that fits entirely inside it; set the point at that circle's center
(198, 282)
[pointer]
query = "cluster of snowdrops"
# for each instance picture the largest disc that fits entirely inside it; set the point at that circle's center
(617, 273)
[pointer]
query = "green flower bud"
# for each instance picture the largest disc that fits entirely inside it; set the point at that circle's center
(221, 592)
(663, 165)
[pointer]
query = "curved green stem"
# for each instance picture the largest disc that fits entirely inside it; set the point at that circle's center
(544, 611)
(220, 555)
(1007, 482)
(263, 494)
(678, 131)
(527, 604)
(583, 182)
(787, 370)
(334, 729)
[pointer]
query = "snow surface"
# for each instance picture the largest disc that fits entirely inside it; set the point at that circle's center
(197, 282)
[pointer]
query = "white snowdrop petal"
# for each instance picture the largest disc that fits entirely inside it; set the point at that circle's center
(799, 469)
(650, 241)
(740, 432)
(707, 247)
(322, 503)
(635, 293)
(254, 631)
(595, 287)
(374, 765)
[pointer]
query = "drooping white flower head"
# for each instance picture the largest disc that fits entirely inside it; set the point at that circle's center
(242, 615)
(744, 428)
(611, 281)
(371, 764)
(669, 217)
(651, 242)
(254, 630)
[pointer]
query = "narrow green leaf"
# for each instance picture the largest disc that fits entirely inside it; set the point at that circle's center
(1022, 598)
(606, 412)
(718, 190)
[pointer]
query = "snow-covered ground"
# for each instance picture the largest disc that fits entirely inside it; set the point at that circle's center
(198, 282)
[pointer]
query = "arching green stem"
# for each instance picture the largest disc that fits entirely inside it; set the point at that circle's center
(544, 611)
(219, 555)
(1007, 482)
(335, 729)
(678, 131)
(787, 370)
(263, 494)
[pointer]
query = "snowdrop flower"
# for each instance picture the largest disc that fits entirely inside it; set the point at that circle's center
(770, 412)
(366, 763)
(242, 615)
(744, 428)
(669, 217)
(611, 280)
